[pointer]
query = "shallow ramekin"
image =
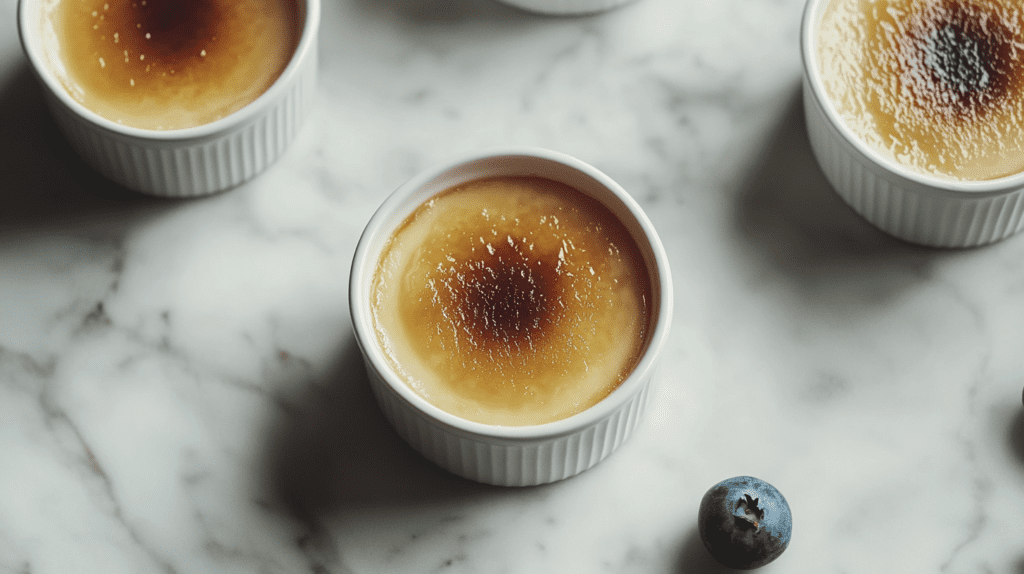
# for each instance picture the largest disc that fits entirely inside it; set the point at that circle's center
(187, 162)
(510, 455)
(567, 7)
(906, 204)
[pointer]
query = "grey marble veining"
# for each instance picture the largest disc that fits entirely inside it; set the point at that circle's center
(180, 391)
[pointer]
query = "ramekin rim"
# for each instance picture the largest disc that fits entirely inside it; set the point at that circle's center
(921, 181)
(570, 8)
(545, 431)
(217, 128)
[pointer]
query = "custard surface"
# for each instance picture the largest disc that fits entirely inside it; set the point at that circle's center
(935, 85)
(172, 64)
(512, 301)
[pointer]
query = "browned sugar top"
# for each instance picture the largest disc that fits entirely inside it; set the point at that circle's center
(502, 295)
(958, 58)
(936, 84)
(513, 300)
(168, 64)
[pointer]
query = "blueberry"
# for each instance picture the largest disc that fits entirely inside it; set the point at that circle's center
(744, 522)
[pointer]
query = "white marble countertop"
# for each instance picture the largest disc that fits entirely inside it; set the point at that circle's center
(180, 391)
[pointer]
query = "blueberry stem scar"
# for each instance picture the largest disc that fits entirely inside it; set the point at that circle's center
(752, 513)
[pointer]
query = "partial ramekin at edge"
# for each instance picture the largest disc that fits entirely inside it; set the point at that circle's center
(911, 206)
(510, 455)
(567, 7)
(188, 162)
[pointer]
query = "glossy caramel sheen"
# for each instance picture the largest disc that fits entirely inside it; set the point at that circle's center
(512, 301)
(172, 64)
(937, 85)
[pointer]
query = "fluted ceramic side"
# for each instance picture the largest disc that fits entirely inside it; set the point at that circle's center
(511, 462)
(182, 168)
(905, 208)
(567, 7)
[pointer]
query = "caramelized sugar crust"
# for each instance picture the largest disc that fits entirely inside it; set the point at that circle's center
(512, 301)
(171, 64)
(967, 55)
(936, 84)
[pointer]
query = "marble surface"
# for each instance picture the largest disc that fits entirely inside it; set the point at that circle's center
(180, 391)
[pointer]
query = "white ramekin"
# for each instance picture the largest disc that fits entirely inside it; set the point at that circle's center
(902, 202)
(510, 455)
(566, 7)
(186, 162)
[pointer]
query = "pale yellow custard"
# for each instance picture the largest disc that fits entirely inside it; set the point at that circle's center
(172, 64)
(512, 301)
(935, 85)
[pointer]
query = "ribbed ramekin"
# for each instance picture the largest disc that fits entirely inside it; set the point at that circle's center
(906, 204)
(566, 7)
(510, 455)
(187, 162)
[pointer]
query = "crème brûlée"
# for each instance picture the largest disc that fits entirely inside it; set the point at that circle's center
(512, 301)
(172, 64)
(934, 85)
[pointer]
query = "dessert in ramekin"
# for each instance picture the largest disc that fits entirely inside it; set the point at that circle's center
(915, 113)
(500, 341)
(175, 98)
